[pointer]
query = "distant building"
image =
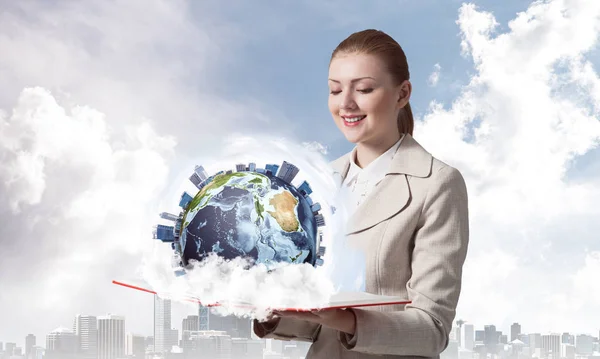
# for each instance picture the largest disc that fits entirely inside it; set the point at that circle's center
(208, 344)
(111, 337)
(228, 172)
(169, 216)
(185, 200)
(567, 338)
(135, 346)
(252, 167)
(240, 167)
(272, 169)
(196, 180)
(287, 172)
(315, 207)
(515, 330)
(567, 351)
(260, 170)
(191, 323)
(467, 336)
(321, 252)
(61, 343)
(171, 339)
(164, 233)
(29, 344)
(162, 324)
(305, 189)
(10, 348)
(203, 317)
(551, 345)
(231, 324)
(320, 220)
(201, 173)
(247, 348)
(584, 344)
(85, 328)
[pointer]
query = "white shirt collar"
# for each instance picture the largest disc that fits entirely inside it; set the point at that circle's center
(376, 170)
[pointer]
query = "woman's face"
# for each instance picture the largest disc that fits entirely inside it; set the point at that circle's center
(363, 99)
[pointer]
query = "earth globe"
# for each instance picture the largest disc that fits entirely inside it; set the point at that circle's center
(251, 213)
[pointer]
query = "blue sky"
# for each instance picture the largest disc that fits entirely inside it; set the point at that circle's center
(163, 83)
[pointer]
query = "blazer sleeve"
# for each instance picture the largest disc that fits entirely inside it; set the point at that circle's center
(440, 247)
(287, 329)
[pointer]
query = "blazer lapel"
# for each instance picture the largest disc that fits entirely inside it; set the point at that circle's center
(392, 194)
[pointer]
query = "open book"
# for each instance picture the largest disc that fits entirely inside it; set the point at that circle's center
(337, 301)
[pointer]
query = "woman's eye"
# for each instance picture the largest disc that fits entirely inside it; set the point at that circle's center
(334, 92)
(365, 90)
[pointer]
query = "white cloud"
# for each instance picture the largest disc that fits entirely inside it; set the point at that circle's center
(434, 77)
(514, 131)
(47, 147)
(316, 146)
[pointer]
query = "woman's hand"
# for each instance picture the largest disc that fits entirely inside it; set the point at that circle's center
(338, 319)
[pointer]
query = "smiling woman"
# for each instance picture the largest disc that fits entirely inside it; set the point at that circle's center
(408, 215)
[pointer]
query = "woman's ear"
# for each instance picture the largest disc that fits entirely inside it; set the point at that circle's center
(404, 92)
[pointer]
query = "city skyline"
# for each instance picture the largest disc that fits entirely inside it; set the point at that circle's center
(463, 336)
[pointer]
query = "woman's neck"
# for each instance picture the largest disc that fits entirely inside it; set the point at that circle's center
(368, 152)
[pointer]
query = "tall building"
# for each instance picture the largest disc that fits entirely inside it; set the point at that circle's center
(272, 169)
(10, 348)
(196, 181)
(234, 326)
(162, 324)
(188, 325)
(37, 352)
(240, 167)
(169, 216)
(584, 344)
(172, 339)
(185, 200)
(551, 345)
(252, 167)
(85, 328)
(315, 207)
(304, 188)
(535, 342)
(61, 343)
(319, 220)
(567, 338)
(479, 336)
(201, 173)
(135, 346)
(491, 338)
(287, 172)
(111, 336)
(467, 336)
(203, 317)
(29, 344)
(164, 233)
(515, 330)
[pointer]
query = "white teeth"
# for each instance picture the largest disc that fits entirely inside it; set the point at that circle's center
(354, 119)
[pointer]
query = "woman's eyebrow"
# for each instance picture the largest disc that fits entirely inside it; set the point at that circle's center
(354, 80)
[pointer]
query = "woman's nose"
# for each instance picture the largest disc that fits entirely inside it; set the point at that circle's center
(347, 101)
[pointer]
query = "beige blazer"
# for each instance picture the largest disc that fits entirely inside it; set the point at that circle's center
(414, 231)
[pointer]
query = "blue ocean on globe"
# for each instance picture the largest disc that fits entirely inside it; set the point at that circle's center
(251, 215)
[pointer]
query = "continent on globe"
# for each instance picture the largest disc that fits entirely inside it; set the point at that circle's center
(252, 213)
